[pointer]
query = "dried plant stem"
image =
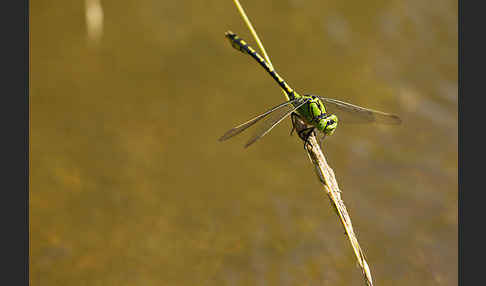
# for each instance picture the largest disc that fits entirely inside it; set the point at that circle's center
(328, 179)
(323, 170)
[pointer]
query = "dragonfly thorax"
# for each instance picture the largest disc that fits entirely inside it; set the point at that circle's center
(318, 117)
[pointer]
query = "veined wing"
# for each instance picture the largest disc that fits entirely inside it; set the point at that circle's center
(350, 113)
(272, 117)
(275, 119)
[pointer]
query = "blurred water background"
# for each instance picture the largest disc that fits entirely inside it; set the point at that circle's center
(129, 185)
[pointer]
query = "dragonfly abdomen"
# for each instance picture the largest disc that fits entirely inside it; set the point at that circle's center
(242, 46)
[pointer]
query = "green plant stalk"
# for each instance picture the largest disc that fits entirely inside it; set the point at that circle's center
(255, 36)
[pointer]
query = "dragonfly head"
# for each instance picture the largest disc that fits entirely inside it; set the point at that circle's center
(328, 124)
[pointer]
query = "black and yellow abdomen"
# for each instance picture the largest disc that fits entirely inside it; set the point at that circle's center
(312, 111)
(242, 46)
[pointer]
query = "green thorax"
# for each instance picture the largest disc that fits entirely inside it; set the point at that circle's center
(312, 111)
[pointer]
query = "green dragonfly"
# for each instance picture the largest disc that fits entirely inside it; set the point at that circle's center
(310, 108)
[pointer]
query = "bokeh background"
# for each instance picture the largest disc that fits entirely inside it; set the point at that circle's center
(129, 185)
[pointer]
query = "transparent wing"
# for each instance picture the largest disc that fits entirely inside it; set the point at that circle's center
(240, 128)
(272, 118)
(275, 118)
(350, 113)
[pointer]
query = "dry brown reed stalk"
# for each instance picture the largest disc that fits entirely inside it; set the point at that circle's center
(326, 176)
(323, 170)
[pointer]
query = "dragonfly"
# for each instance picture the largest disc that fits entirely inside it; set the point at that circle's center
(317, 112)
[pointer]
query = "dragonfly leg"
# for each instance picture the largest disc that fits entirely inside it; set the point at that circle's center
(293, 117)
(298, 123)
(300, 126)
(305, 134)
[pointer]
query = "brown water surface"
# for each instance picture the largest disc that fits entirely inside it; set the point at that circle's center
(129, 185)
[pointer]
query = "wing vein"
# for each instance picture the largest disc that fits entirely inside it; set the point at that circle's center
(242, 127)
